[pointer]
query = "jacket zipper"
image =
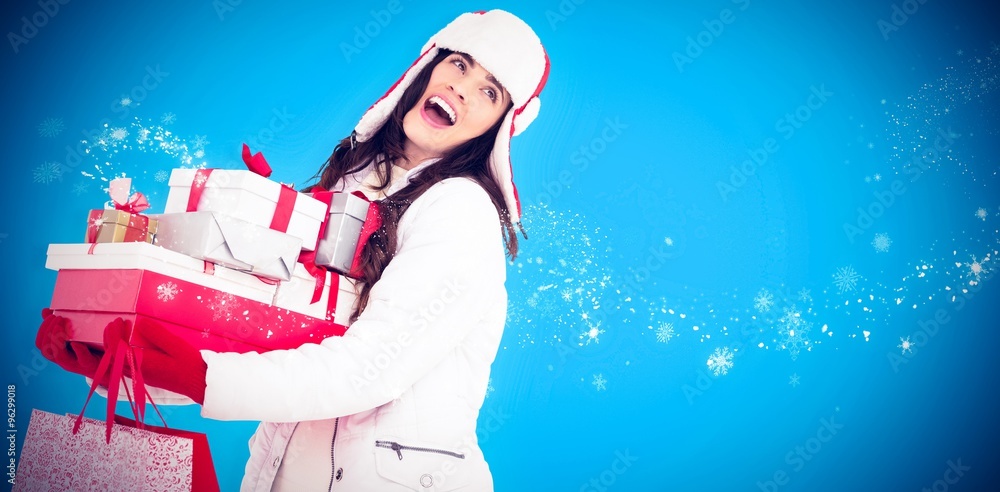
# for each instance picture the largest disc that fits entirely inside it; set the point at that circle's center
(395, 446)
(333, 461)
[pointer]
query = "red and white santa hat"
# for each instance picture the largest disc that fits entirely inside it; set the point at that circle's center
(506, 47)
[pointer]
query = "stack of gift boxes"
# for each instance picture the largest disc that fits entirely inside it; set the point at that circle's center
(236, 263)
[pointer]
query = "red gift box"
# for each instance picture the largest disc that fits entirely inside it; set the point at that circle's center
(204, 317)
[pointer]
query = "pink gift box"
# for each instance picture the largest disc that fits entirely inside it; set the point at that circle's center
(204, 317)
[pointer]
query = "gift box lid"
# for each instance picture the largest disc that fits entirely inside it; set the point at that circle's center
(145, 256)
(230, 241)
(248, 181)
(349, 204)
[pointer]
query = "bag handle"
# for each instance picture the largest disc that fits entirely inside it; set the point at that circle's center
(118, 351)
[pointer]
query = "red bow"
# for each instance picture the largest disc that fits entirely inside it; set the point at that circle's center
(256, 162)
(118, 189)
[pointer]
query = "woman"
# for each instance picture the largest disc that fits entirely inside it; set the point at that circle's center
(393, 404)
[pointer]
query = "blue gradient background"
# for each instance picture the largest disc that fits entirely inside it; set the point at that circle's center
(546, 426)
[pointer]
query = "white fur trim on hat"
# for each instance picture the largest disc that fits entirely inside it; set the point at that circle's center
(506, 47)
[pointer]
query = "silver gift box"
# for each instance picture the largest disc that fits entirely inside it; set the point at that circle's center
(230, 242)
(336, 248)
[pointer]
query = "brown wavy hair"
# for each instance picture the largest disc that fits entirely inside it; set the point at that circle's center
(469, 159)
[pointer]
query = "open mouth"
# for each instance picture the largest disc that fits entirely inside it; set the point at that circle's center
(439, 111)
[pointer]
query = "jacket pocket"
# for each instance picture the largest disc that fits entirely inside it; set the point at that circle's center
(422, 466)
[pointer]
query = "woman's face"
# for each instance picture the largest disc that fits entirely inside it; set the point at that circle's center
(461, 102)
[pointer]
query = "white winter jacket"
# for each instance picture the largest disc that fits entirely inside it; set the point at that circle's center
(404, 385)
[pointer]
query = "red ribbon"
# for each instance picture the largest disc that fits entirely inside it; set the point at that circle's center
(308, 260)
(117, 352)
(256, 162)
(197, 188)
(284, 208)
(136, 204)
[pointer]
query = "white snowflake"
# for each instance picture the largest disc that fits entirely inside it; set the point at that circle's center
(198, 154)
(592, 334)
(567, 295)
(532, 301)
(199, 141)
(168, 118)
(48, 172)
(905, 345)
(721, 361)
(665, 332)
(804, 295)
(200, 179)
(167, 291)
(763, 301)
(599, 382)
(223, 306)
(161, 176)
(80, 188)
(881, 242)
(668, 241)
(793, 380)
(489, 387)
(846, 279)
(118, 134)
(976, 269)
(981, 214)
(793, 331)
(878, 177)
(125, 101)
(50, 127)
(144, 135)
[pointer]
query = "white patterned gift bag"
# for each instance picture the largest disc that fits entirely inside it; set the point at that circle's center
(152, 459)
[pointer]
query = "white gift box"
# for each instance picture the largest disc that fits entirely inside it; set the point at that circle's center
(296, 294)
(145, 256)
(247, 196)
(230, 242)
(343, 230)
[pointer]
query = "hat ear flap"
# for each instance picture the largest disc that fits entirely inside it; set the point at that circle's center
(527, 115)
